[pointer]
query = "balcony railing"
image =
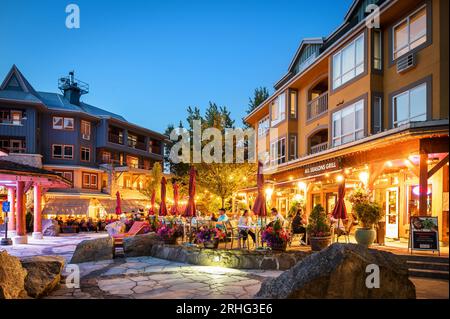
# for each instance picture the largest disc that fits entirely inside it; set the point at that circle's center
(318, 148)
(317, 107)
(10, 122)
(115, 138)
(137, 145)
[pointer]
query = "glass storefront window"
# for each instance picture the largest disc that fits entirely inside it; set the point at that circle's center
(413, 200)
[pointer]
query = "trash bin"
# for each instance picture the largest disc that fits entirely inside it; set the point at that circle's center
(381, 232)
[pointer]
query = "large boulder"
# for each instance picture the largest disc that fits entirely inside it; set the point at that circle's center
(12, 277)
(50, 227)
(340, 272)
(93, 250)
(140, 245)
(44, 274)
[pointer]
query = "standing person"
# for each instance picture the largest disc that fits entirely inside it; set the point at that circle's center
(245, 221)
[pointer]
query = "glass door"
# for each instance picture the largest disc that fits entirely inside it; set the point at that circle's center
(392, 212)
(331, 202)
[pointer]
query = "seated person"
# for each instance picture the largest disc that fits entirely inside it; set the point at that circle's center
(276, 216)
(223, 218)
(339, 225)
(213, 217)
(244, 221)
(298, 225)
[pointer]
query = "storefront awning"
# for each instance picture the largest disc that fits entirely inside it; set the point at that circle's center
(127, 205)
(65, 206)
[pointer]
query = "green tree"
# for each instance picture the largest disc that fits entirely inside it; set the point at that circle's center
(154, 183)
(259, 96)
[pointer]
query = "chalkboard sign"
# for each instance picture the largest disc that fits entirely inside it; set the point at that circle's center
(424, 233)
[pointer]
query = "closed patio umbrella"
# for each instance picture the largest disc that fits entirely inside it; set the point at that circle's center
(163, 207)
(259, 207)
(151, 211)
(190, 207)
(339, 211)
(175, 209)
(118, 204)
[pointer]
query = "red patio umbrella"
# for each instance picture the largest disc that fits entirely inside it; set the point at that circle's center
(259, 206)
(162, 207)
(175, 209)
(190, 207)
(118, 204)
(339, 211)
(151, 211)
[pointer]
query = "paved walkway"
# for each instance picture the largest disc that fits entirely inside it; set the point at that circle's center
(148, 277)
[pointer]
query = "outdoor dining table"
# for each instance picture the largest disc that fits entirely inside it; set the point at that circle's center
(256, 230)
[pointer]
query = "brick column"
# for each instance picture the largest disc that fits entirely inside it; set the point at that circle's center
(37, 231)
(21, 237)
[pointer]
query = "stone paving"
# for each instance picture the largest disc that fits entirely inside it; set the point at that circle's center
(148, 277)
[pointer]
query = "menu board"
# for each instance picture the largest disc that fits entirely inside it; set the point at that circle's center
(424, 233)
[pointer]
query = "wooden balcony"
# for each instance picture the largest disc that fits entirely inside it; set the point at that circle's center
(317, 107)
(115, 138)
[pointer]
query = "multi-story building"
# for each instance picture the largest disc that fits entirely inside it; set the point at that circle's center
(368, 104)
(98, 151)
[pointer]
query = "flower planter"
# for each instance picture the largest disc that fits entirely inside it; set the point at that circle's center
(365, 236)
(319, 243)
(211, 244)
(279, 246)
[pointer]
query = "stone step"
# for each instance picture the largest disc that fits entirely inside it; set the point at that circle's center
(426, 259)
(426, 273)
(427, 265)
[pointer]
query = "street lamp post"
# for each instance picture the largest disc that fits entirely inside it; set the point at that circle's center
(6, 241)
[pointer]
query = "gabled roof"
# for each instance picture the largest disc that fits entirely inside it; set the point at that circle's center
(15, 74)
(52, 101)
(305, 42)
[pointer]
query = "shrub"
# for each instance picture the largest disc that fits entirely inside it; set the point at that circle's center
(318, 223)
(368, 213)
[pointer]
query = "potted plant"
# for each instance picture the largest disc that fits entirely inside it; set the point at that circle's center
(170, 233)
(276, 237)
(210, 236)
(369, 214)
(319, 229)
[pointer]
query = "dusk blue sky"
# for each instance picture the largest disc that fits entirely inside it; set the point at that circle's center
(149, 60)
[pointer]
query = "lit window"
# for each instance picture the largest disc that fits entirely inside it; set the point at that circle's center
(86, 130)
(278, 152)
(377, 51)
(349, 62)
(410, 33)
(348, 124)
(279, 109)
(293, 104)
(292, 147)
(90, 180)
(410, 106)
(263, 126)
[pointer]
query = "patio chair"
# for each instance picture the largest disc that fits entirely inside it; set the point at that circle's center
(338, 232)
(135, 229)
(232, 233)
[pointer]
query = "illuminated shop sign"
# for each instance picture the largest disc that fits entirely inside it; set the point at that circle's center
(322, 167)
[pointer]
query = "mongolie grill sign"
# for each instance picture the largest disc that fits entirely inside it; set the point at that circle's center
(322, 167)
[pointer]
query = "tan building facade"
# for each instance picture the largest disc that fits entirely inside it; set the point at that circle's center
(367, 106)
